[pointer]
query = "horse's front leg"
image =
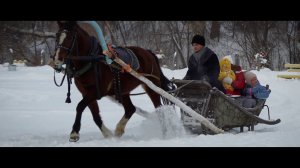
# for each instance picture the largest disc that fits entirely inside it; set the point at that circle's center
(129, 110)
(93, 106)
(74, 136)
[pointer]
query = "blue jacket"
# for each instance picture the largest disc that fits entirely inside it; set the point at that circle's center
(258, 91)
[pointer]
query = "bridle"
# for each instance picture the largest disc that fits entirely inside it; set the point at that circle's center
(67, 61)
(69, 49)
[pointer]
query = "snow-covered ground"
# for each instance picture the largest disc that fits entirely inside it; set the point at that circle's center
(33, 112)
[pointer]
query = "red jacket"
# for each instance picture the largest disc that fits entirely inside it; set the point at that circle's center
(239, 83)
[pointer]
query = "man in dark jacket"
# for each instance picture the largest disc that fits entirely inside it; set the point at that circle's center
(203, 64)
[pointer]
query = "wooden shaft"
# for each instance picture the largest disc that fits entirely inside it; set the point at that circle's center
(163, 93)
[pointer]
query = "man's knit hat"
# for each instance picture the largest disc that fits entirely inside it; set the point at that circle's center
(198, 39)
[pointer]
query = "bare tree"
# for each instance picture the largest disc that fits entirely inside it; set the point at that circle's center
(198, 27)
(256, 38)
(280, 40)
(298, 31)
(22, 36)
(215, 30)
(176, 39)
(292, 34)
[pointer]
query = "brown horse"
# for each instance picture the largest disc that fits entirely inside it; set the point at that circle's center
(94, 78)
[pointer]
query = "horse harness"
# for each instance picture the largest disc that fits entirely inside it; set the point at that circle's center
(93, 58)
(70, 70)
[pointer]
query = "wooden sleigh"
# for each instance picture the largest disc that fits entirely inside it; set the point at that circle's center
(223, 111)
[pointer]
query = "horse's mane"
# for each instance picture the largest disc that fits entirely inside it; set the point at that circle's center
(73, 26)
(82, 30)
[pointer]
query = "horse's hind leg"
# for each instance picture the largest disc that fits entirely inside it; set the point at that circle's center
(129, 110)
(93, 106)
(155, 98)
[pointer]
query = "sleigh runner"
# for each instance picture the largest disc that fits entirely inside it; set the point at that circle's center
(223, 111)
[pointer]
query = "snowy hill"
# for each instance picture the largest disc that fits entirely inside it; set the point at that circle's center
(33, 112)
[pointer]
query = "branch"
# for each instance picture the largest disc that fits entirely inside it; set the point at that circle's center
(176, 45)
(36, 33)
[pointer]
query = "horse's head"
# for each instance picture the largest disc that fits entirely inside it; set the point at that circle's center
(65, 42)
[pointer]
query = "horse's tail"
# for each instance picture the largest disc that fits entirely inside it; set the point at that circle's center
(166, 84)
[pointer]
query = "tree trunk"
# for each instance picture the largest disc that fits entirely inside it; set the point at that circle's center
(188, 43)
(234, 23)
(156, 40)
(112, 37)
(215, 30)
(198, 27)
(35, 33)
(298, 32)
(176, 45)
(122, 33)
(34, 40)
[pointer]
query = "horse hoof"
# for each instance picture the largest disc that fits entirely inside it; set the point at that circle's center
(119, 133)
(106, 132)
(74, 137)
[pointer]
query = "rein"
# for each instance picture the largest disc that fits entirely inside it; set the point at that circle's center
(177, 89)
(69, 78)
(101, 58)
(171, 91)
(62, 81)
(91, 58)
(68, 64)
